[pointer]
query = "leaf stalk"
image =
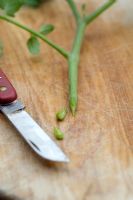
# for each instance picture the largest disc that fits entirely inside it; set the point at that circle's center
(73, 60)
(74, 9)
(37, 34)
(73, 56)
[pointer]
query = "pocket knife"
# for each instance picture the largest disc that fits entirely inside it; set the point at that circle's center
(33, 134)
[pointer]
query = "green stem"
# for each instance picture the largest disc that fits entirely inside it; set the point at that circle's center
(74, 56)
(37, 34)
(74, 10)
(88, 19)
(73, 66)
(75, 53)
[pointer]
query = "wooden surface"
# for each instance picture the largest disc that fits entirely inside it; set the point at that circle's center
(99, 141)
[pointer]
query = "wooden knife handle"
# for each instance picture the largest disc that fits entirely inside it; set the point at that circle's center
(7, 91)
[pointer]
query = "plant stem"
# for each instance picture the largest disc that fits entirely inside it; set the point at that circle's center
(88, 19)
(74, 10)
(73, 66)
(37, 34)
(74, 55)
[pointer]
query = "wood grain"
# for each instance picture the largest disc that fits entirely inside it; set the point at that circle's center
(99, 139)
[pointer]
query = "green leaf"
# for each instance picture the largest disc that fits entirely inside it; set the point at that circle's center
(33, 3)
(46, 29)
(11, 6)
(2, 4)
(33, 45)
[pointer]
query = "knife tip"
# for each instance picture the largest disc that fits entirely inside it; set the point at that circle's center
(57, 156)
(64, 159)
(67, 160)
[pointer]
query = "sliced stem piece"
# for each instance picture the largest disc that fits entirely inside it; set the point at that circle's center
(59, 135)
(61, 114)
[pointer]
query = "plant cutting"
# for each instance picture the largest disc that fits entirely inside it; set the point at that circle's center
(60, 116)
(59, 135)
(82, 19)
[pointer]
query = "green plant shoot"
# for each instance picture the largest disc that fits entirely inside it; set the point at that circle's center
(10, 7)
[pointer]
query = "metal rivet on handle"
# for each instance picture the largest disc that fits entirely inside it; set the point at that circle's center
(3, 88)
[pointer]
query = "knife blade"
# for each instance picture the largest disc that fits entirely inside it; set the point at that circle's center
(33, 134)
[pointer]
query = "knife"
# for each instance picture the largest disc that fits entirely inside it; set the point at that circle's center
(34, 135)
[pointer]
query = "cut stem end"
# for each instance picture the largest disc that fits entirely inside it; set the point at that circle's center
(73, 106)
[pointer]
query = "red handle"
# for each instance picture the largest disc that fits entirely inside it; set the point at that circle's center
(7, 92)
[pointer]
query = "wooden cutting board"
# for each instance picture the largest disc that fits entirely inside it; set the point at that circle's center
(99, 140)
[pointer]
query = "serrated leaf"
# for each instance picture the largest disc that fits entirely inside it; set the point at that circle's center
(46, 29)
(33, 45)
